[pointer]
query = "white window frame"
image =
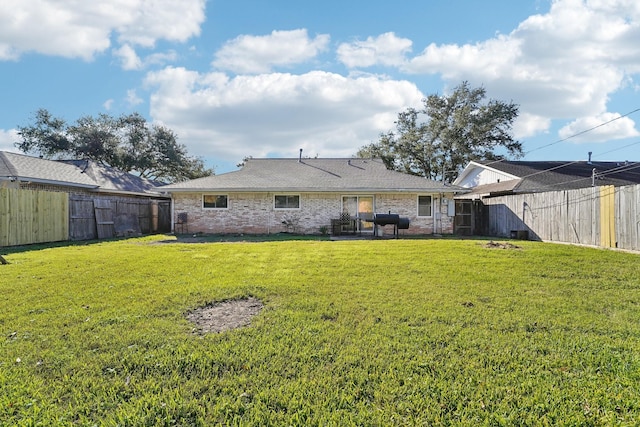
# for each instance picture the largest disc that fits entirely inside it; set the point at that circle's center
(216, 196)
(287, 208)
(418, 205)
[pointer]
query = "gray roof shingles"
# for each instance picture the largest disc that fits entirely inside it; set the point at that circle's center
(36, 169)
(557, 175)
(72, 173)
(108, 178)
(313, 175)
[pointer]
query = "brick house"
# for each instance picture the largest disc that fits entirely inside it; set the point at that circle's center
(305, 195)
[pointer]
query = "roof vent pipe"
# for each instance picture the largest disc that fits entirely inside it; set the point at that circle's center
(300, 156)
(589, 162)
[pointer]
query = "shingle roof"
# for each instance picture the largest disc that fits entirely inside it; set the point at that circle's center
(28, 168)
(71, 173)
(6, 169)
(108, 178)
(312, 175)
(557, 175)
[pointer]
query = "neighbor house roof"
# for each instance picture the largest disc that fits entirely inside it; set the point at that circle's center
(71, 173)
(108, 178)
(312, 175)
(15, 166)
(502, 177)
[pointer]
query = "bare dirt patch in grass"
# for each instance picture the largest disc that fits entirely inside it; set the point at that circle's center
(501, 245)
(225, 316)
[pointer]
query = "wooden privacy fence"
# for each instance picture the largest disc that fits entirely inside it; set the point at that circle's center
(30, 216)
(112, 216)
(600, 216)
(37, 216)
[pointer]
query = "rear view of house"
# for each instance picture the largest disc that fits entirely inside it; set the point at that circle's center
(305, 195)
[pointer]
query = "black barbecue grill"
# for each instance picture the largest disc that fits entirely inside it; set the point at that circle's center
(399, 223)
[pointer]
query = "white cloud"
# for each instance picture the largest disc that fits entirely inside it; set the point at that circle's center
(260, 54)
(133, 99)
(7, 139)
(160, 58)
(74, 29)
(386, 49)
(527, 125)
(276, 114)
(108, 104)
(559, 65)
(616, 127)
(129, 60)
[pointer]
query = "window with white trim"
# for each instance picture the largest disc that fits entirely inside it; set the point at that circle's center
(215, 201)
(424, 206)
(286, 201)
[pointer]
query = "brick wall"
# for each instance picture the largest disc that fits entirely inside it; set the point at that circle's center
(253, 213)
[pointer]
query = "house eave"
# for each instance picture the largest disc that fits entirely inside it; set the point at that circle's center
(47, 182)
(316, 190)
(131, 193)
(475, 165)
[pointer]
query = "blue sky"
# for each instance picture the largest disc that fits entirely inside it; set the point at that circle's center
(266, 78)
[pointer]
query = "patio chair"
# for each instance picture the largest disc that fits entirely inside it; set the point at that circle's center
(349, 225)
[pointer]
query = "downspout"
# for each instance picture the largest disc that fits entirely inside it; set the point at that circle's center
(436, 214)
(269, 211)
(173, 208)
(440, 211)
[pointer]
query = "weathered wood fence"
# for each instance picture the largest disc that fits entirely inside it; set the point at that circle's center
(600, 216)
(111, 216)
(30, 216)
(627, 215)
(36, 216)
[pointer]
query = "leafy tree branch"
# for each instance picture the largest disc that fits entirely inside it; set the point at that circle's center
(438, 140)
(127, 143)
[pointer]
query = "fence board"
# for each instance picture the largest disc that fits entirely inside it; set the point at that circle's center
(140, 209)
(104, 218)
(607, 217)
(32, 216)
(82, 219)
(627, 217)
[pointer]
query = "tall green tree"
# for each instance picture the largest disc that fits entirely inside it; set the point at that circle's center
(438, 140)
(127, 143)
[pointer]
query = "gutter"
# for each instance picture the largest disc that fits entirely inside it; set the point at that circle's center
(316, 190)
(48, 181)
(93, 187)
(132, 193)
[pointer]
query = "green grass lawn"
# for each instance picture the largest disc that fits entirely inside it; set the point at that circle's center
(393, 332)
